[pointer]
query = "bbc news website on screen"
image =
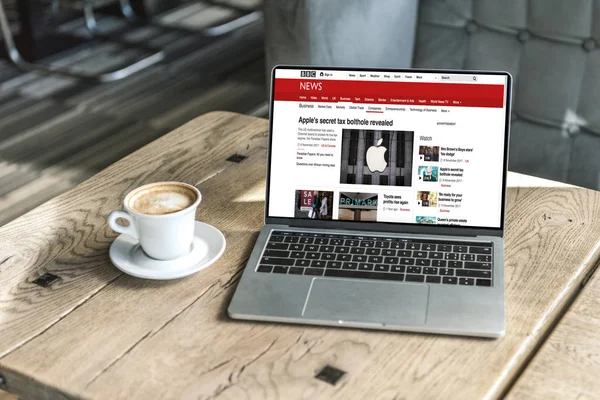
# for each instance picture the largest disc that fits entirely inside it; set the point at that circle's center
(389, 147)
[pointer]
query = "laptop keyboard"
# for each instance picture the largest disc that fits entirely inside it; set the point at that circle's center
(386, 258)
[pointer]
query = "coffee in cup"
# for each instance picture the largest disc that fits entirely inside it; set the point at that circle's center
(161, 199)
(161, 217)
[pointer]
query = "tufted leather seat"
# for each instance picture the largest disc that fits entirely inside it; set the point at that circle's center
(551, 47)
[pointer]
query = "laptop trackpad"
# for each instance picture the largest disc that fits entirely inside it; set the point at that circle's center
(387, 303)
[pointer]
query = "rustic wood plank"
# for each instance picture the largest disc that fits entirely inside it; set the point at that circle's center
(568, 364)
(68, 235)
(7, 396)
(130, 338)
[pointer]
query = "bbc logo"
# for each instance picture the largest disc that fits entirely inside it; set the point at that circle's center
(308, 74)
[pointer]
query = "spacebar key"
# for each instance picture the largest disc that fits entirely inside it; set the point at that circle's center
(342, 273)
(277, 261)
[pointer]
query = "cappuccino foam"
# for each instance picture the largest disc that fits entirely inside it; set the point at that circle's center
(162, 199)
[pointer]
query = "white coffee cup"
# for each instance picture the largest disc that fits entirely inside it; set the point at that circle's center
(161, 217)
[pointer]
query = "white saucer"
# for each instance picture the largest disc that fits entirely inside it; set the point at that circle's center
(208, 245)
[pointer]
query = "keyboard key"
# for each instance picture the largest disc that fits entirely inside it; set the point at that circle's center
(349, 265)
(452, 256)
(476, 265)
(306, 240)
(484, 282)
(382, 268)
(434, 255)
(351, 243)
(449, 280)
(419, 254)
(313, 256)
(438, 263)
(265, 268)
(466, 281)
(397, 268)
(313, 271)
(327, 256)
(367, 243)
(336, 242)
(357, 250)
(430, 271)
(480, 250)
(444, 247)
(326, 249)
(318, 264)
(365, 267)
(433, 279)
(302, 263)
(404, 253)
(484, 258)
(375, 259)
(296, 271)
(455, 264)
(277, 246)
(277, 261)
(343, 257)
(413, 270)
(280, 270)
(334, 264)
(298, 254)
(291, 239)
(397, 245)
(363, 274)
(460, 249)
(423, 262)
(388, 252)
(359, 258)
(276, 253)
(311, 247)
(415, 278)
(391, 260)
(382, 245)
(296, 247)
(474, 274)
(413, 246)
(373, 252)
(446, 271)
(321, 241)
(467, 257)
(407, 261)
(342, 250)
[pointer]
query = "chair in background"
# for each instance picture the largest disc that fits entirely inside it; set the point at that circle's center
(551, 48)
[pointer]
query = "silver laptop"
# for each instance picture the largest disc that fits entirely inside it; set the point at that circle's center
(385, 201)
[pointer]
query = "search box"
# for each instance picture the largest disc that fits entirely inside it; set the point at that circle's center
(458, 78)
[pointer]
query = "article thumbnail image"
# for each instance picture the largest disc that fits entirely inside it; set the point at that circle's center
(375, 157)
(357, 206)
(428, 173)
(426, 220)
(429, 153)
(427, 199)
(313, 204)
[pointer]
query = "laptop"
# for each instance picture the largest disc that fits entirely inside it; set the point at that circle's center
(385, 202)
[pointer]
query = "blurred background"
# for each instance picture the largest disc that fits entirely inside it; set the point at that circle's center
(85, 82)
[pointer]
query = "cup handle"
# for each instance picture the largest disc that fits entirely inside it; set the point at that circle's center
(127, 230)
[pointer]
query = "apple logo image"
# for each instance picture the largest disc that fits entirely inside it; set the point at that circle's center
(375, 157)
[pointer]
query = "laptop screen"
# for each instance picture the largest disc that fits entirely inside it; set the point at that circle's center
(403, 147)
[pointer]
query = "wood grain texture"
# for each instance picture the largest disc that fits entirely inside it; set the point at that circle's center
(568, 364)
(7, 396)
(101, 334)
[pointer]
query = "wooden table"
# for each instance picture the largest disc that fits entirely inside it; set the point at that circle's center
(98, 333)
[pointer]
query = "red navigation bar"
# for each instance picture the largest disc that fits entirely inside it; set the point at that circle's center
(398, 93)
